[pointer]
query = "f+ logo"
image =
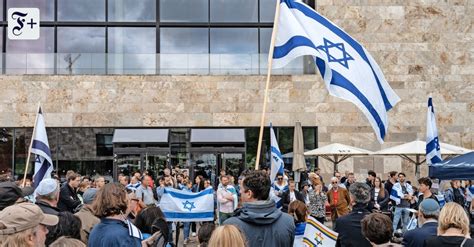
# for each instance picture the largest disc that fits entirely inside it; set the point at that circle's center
(23, 23)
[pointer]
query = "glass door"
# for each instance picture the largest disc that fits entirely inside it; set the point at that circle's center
(233, 163)
(155, 163)
(205, 164)
(128, 163)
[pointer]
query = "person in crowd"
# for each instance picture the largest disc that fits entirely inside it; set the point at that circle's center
(427, 220)
(424, 190)
(11, 194)
(392, 180)
(344, 178)
(160, 189)
(150, 217)
(204, 234)
(86, 215)
(227, 236)
(99, 182)
(207, 184)
(114, 229)
(87, 180)
(47, 196)
(305, 192)
(453, 228)
(377, 228)
(341, 184)
(350, 180)
(69, 225)
(402, 193)
(262, 223)
(225, 199)
(318, 172)
(280, 186)
(237, 186)
(199, 184)
(299, 211)
(179, 181)
(134, 184)
(24, 224)
(67, 242)
(124, 180)
(187, 225)
(145, 192)
(469, 193)
(290, 195)
(371, 175)
(339, 200)
(317, 198)
(379, 196)
(455, 193)
(348, 226)
(137, 175)
(68, 199)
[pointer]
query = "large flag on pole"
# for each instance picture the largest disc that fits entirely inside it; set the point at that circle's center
(277, 165)
(184, 206)
(349, 71)
(40, 147)
(433, 150)
(317, 234)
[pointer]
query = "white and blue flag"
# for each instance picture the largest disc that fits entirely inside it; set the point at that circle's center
(277, 165)
(348, 70)
(40, 147)
(185, 206)
(433, 150)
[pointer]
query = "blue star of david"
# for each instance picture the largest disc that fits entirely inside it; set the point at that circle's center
(188, 205)
(340, 46)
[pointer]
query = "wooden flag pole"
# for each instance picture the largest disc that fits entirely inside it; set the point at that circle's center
(267, 85)
(31, 145)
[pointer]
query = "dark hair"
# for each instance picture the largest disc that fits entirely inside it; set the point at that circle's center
(401, 173)
(372, 173)
(69, 225)
(298, 210)
(204, 233)
(146, 217)
(279, 174)
(110, 200)
(86, 177)
(350, 173)
(201, 182)
(392, 173)
(259, 183)
(377, 228)
(72, 175)
(426, 181)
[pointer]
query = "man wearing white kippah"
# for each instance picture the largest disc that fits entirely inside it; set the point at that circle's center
(47, 196)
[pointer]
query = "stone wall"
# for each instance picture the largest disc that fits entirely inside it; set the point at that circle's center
(423, 46)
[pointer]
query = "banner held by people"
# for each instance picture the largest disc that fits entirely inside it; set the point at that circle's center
(317, 234)
(184, 206)
(40, 147)
(433, 150)
(349, 71)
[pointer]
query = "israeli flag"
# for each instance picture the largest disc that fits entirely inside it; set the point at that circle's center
(185, 206)
(433, 150)
(349, 71)
(40, 147)
(277, 164)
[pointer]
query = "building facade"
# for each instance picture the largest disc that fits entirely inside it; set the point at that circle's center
(185, 66)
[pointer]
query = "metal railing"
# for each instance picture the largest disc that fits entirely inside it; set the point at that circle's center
(164, 64)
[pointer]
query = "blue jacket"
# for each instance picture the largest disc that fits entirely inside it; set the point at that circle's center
(416, 237)
(111, 232)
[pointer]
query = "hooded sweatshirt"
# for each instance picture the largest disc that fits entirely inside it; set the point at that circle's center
(264, 225)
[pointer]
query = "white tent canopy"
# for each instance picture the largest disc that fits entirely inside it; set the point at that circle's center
(337, 152)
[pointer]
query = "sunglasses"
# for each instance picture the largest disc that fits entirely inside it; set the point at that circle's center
(334, 182)
(280, 178)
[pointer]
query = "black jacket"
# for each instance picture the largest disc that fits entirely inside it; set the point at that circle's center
(68, 199)
(417, 237)
(382, 201)
(350, 229)
(285, 199)
(47, 208)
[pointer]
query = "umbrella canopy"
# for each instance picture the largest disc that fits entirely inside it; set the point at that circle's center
(337, 152)
(460, 167)
(418, 150)
(299, 163)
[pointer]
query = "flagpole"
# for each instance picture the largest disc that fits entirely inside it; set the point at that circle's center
(31, 145)
(267, 84)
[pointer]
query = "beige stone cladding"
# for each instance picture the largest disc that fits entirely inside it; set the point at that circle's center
(423, 47)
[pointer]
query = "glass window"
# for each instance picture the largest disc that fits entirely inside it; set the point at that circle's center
(46, 7)
(132, 50)
(132, 10)
(31, 56)
(265, 38)
(104, 145)
(234, 11)
(267, 10)
(184, 50)
(6, 148)
(83, 10)
(184, 10)
(234, 40)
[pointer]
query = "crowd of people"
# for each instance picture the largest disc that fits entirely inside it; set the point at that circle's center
(251, 210)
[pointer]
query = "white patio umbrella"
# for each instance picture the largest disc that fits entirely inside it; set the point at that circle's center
(299, 163)
(417, 149)
(337, 152)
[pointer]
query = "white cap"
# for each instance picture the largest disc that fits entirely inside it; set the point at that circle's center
(46, 186)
